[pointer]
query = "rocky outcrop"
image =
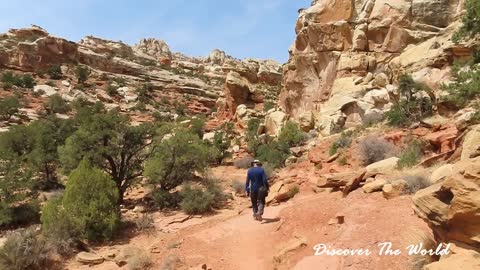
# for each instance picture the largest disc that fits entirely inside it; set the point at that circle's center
(153, 47)
(33, 48)
(452, 207)
(249, 82)
(344, 49)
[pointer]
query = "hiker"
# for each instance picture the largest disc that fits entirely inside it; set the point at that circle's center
(257, 188)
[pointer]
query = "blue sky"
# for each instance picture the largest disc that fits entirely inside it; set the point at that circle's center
(243, 28)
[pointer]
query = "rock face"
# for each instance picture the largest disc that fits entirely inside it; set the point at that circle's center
(451, 208)
(153, 47)
(249, 82)
(344, 49)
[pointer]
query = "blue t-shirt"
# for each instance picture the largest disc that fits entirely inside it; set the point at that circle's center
(257, 177)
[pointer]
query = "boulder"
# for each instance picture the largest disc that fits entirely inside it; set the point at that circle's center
(208, 136)
(46, 90)
(441, 173)
(465, 261)
(291, 160)
(381, 79)
(89, 258)
(241, 110)
(471, 144)
(384, 166)
(306, 121)
(395, 189)
(375, 185)
(274, 122)
(451, 208)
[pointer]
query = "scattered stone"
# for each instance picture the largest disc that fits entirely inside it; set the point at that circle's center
(294, 244)
(89, 258)
(395, 189)
(373, 185)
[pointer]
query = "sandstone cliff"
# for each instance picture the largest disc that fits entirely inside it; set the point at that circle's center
(348, 54)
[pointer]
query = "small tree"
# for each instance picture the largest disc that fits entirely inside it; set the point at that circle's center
(291, 134)
(471, 22)
(8, 107)
(56, 104)
(108, 140)
(221, 142)
(176, 159)
(410, 107)
(274, 153)
(82, 73)
(90, 200)
(55, 72)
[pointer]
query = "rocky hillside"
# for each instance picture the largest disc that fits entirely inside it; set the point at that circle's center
(348, 55)
(177, 83)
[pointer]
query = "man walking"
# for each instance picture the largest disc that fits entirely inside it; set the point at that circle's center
(257, 188)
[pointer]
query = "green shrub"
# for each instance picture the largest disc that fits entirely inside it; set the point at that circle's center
(145, 223)
(144, 93)
(28, 81)
(411, 155)
(213, 186)
(253, 142)
(25, 250)
(58, 227)
(111, 90)
(410, 107)
(373, 149)
(121, 82)
(9, 79)
(197, 125)
(471, 22)
(176, 159)
(238, 187)
(268, 105)
(56, 104)
(164, 199)
(221, 143)
(82, 73)
(273, 153)
(196, 201)
(8, 107)
(465, 87)
(55, 72)
(91, 200)
(344, 141)
(396, 116)
(291, 134)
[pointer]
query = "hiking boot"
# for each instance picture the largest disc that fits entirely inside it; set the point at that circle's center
(258, 217)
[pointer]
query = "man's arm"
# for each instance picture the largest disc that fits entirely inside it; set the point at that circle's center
(265, 180)
(247, 184)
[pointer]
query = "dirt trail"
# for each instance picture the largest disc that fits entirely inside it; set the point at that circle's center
(235, 241)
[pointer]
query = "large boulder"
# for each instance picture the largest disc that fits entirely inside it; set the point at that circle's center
(452, 207)
(274, 122)
(471, 144)
(383, 166)
(441, 173)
